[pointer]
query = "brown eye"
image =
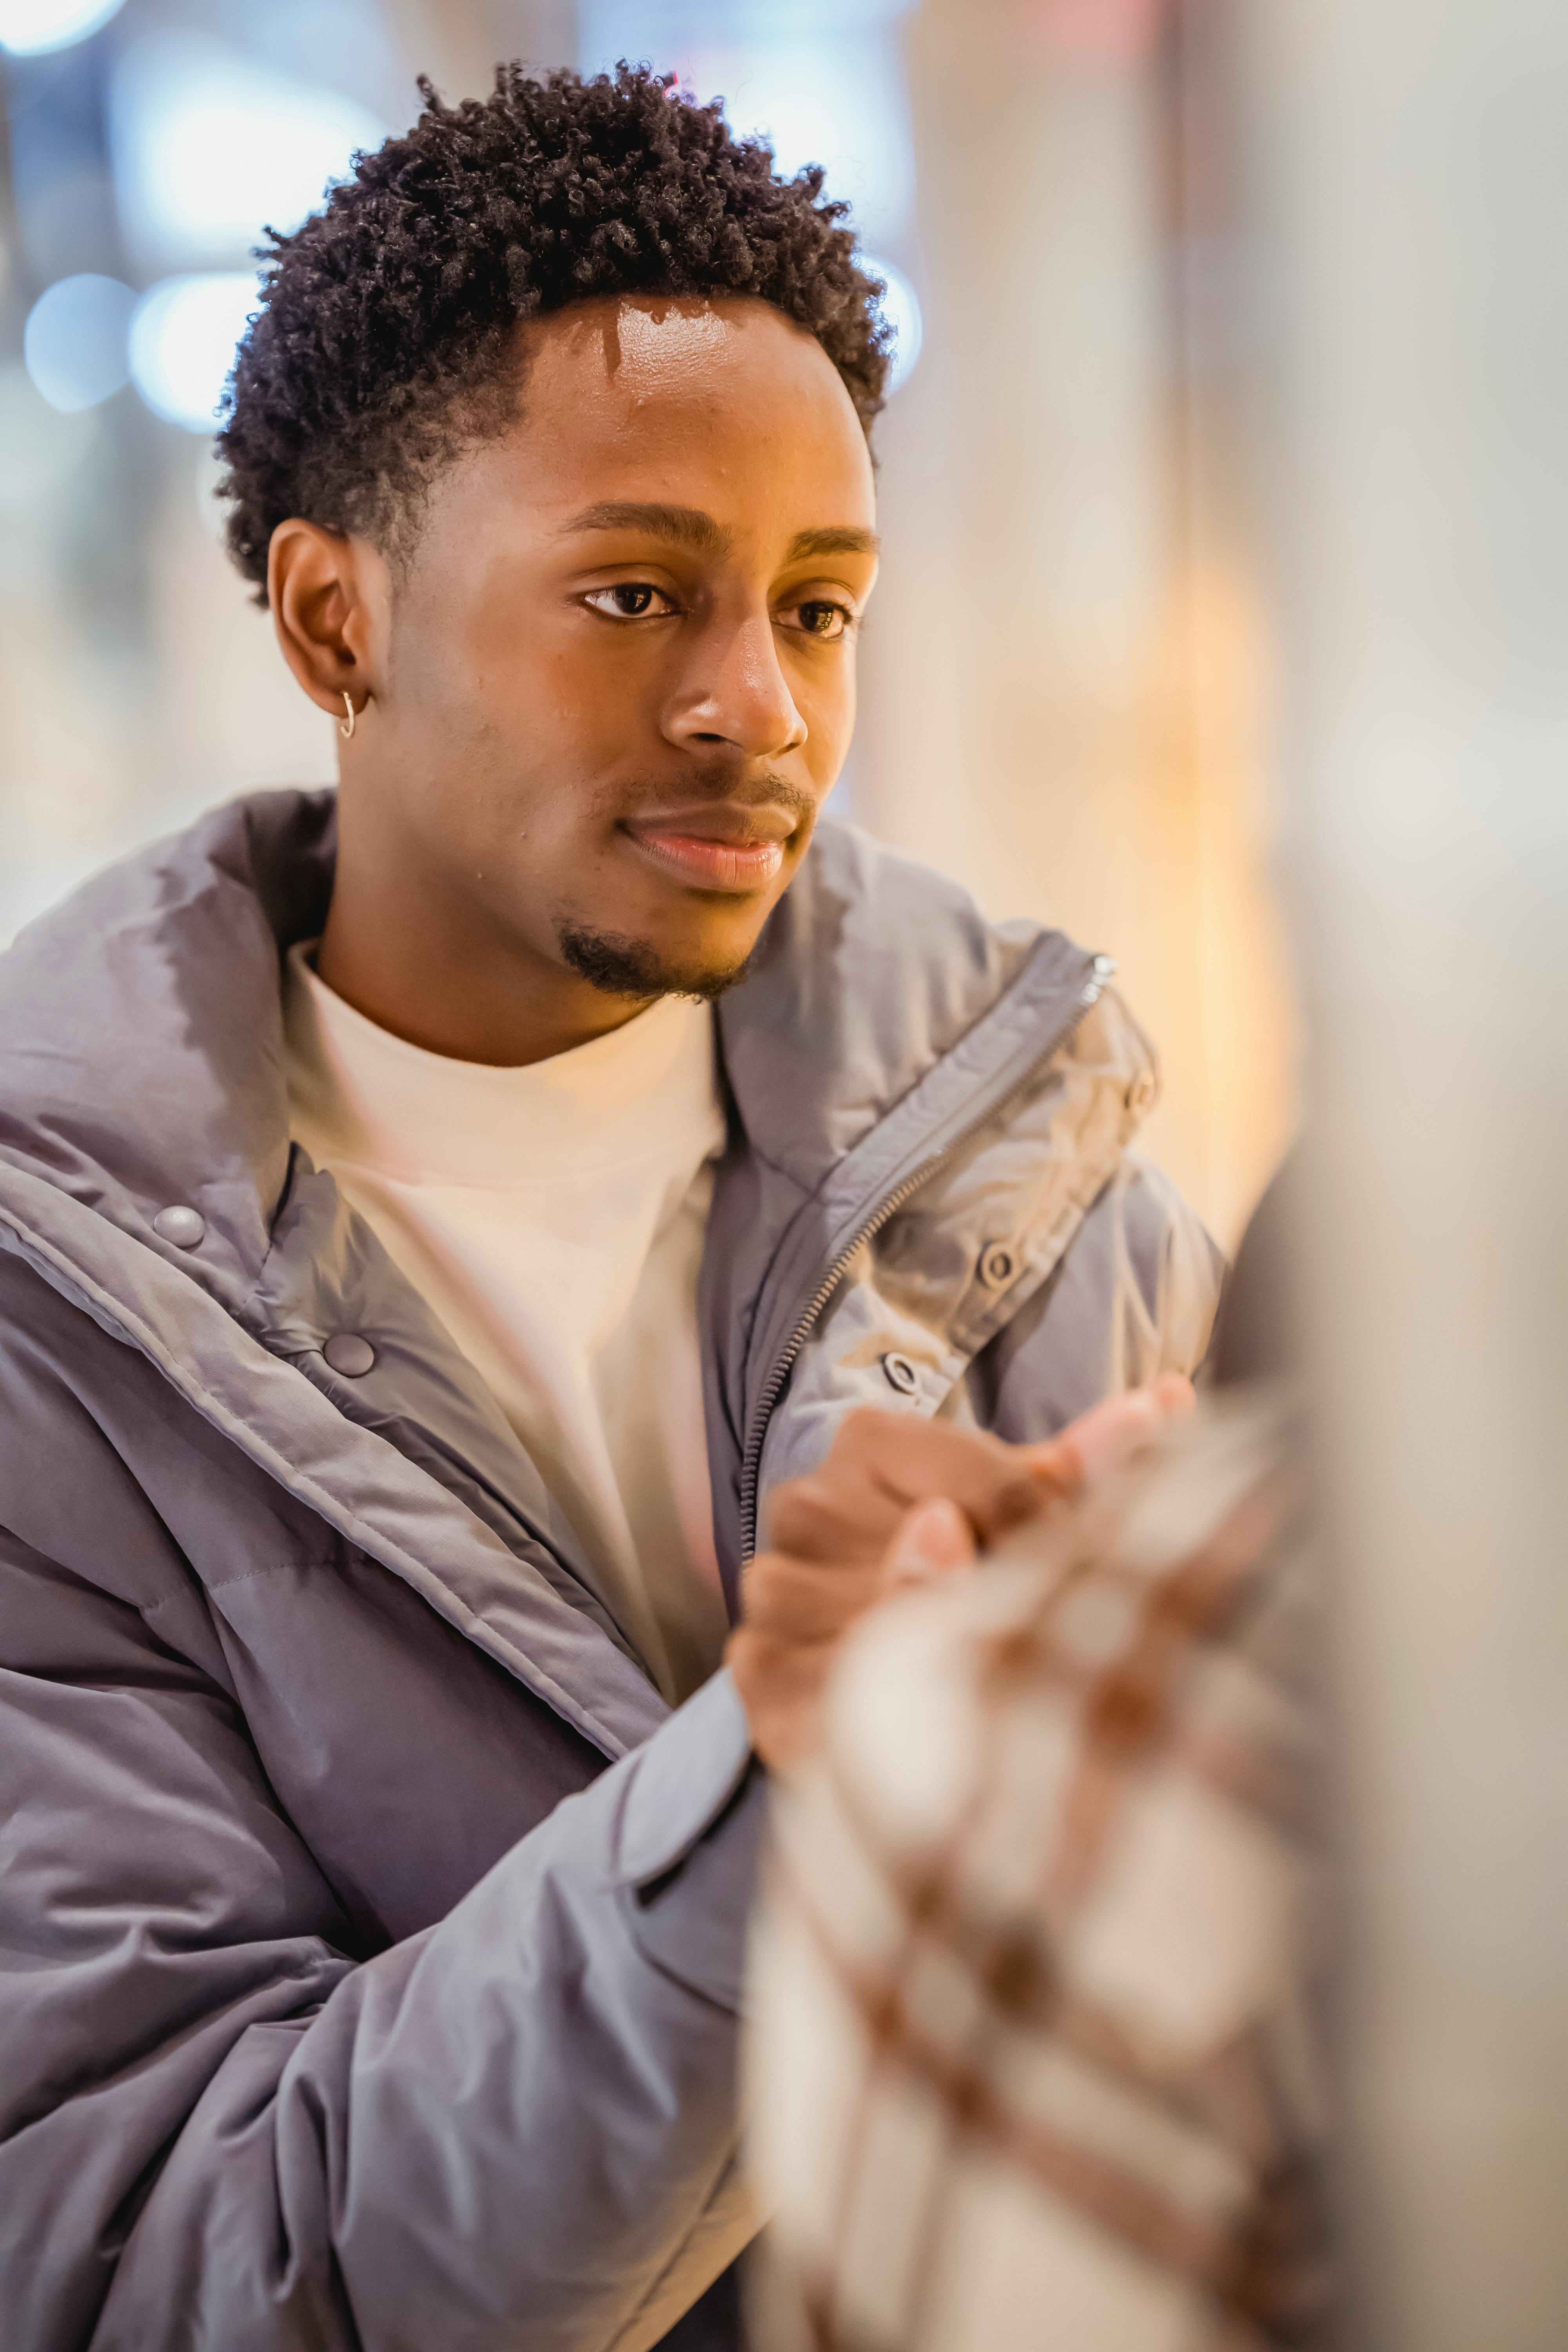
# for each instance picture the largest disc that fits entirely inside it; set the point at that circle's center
(822, 619)
(628, 600)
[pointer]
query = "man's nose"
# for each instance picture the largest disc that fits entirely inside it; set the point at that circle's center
(735, 693)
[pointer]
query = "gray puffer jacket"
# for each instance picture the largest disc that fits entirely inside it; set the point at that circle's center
(372, 1932)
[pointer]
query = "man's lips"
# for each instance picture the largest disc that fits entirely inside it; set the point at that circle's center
(706, 859)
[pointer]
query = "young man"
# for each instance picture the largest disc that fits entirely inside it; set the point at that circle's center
(438, 1217)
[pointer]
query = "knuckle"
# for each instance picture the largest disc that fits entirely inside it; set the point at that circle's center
(794, 1511)
(866, 1429)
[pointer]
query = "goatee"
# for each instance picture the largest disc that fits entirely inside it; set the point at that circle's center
(627, 967)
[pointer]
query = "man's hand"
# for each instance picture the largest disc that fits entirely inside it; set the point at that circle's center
(898, 1502)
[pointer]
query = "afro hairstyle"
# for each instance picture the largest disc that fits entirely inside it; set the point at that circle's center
(381, 349)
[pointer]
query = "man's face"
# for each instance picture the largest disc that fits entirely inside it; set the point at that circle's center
(619, 671)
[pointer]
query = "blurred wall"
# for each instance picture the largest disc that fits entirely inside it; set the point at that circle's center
(1412, 170)
(1065, 675)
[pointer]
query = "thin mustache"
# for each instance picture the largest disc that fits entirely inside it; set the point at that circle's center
(767, 790)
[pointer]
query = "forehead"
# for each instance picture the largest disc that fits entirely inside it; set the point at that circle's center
(724, 406)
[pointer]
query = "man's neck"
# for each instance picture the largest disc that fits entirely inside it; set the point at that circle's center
(435, 972)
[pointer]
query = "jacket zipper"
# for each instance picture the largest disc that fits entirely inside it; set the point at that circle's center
(773, 1387)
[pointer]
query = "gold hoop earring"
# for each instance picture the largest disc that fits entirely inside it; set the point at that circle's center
(346, 730)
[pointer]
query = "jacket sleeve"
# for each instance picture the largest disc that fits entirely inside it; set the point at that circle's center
(1134, 1295)
(222, 2134)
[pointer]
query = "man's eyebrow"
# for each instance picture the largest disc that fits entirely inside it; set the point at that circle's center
(841, 538)
(688, 526)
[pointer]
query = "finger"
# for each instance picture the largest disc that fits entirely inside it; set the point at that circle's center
(802, 1601)
(910, 1462)
(932, 1541)
(1096, 1442)
(832, 1519)
(1110, 1431)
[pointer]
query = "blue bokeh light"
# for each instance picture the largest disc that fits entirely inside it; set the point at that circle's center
(184, 335)
(75, 340)
(210, 148)
(30, 28)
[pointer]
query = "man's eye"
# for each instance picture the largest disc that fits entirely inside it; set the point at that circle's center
(819, 618)
(628, 600)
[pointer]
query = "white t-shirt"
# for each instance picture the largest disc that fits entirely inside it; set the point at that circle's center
(553, 1216)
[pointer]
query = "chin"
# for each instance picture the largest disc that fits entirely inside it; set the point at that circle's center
(622, 965)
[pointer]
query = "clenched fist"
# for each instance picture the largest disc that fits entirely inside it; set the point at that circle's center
(898, 1502)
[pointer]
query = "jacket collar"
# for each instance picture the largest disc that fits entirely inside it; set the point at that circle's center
(142, 1062)
(142, 1034)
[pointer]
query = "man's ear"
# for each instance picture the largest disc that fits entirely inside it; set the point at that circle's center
(329, 597)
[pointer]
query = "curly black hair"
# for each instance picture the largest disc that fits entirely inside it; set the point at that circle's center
(380, 350)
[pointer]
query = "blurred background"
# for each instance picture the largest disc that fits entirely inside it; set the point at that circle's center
(1066, 674)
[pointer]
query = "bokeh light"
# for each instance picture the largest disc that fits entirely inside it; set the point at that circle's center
(900, 308)
(75, 340)
(210, 148)
(28, 28)
(184, 333)
(823, 82)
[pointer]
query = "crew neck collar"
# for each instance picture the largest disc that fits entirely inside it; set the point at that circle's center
(644, 1089)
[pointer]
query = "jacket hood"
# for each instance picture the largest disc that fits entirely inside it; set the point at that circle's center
(142, 1059)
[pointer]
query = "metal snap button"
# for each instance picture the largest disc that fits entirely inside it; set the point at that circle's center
(997, 1265)
(183, 1227)
(349, 1354)
(901, 1374)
